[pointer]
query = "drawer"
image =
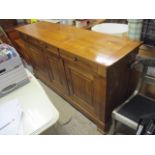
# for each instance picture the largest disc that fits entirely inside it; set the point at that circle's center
(32, 40)
(40, 44)
(51, 49)
(13, 35)
(23, 36)
(35, 42)
(78, 61)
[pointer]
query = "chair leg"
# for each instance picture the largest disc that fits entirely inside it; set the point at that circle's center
(113, 127)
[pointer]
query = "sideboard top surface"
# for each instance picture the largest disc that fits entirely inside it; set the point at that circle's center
(97, 47)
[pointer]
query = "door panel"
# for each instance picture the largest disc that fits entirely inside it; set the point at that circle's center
(57, 72)
(81, 86)
(38, 62)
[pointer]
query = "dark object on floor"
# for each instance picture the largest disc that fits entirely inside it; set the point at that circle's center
(131, 112)
(146, 124)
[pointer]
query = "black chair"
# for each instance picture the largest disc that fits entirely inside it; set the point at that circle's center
(137, 105)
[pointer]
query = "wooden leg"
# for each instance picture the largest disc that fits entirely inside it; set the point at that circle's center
(101, 131)
(103, 128)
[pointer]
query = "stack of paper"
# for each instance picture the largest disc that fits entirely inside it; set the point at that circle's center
(11, 118)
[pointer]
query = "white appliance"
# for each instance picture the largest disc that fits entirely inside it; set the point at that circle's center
(112, 29)
(12, 72)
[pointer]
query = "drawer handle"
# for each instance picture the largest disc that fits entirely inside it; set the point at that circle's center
(75, 59)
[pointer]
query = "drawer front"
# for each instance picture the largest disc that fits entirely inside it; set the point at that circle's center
(35, 42)
(13, 35)
(77, 61)
(51, 49)
(40, 44)
(33, 48)
(32, 41)
(23, 36)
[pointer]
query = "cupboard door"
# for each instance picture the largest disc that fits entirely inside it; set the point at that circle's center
(57, 72)
(38, 62)
(83, 87)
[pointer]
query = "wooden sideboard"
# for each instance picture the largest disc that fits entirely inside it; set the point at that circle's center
(89, 69)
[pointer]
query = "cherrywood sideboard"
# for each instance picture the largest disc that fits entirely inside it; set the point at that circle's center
(89, 69)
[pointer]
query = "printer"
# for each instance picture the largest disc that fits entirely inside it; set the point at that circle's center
(12, 71)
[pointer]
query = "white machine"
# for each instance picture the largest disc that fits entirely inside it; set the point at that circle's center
(12, 72)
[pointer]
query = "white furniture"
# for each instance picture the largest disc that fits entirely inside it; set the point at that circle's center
(38, 111)
(111, 28)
